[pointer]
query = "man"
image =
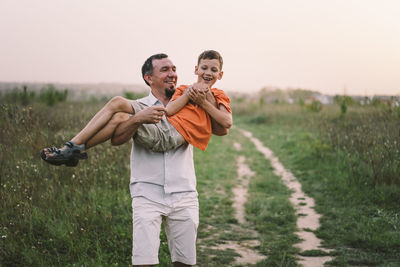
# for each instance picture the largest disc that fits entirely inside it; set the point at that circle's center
(163, 185)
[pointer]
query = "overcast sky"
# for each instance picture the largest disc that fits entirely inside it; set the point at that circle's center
(329, 46)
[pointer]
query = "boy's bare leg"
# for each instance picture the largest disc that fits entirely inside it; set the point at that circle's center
(108, 130)
(99, 121)
(116, 104)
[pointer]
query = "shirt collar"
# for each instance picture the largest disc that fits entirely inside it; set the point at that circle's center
(150, 100)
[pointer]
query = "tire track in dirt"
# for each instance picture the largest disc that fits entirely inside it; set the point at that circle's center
(308, 218)
(246, 248)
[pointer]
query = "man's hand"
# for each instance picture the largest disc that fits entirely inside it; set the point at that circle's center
(150, 115)
(127, 129)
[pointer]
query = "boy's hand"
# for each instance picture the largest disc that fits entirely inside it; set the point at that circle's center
(150, 115)
(196, 95)
(201, 87)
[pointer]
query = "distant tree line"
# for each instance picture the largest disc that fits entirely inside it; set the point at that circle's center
(48, 95)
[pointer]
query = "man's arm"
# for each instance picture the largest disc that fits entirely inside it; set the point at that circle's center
(128, 128)
(221, 118)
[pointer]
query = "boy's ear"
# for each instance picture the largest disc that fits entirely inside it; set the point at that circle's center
(148, 78)
(220, 75)
(196, 69)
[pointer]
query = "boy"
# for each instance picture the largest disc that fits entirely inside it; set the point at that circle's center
(188, 122)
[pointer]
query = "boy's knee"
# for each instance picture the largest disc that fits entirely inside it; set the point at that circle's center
(119, 117)
(117, 102)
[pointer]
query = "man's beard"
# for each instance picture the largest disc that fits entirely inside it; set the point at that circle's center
(169, 92)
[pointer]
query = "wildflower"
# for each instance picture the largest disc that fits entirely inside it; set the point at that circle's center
(3, 236)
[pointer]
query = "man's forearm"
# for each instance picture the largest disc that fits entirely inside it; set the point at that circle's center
(128, 128)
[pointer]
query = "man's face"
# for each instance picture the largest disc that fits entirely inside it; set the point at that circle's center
(208, 71)
(164, 77)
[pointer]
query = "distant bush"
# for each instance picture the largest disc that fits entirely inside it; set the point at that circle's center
(51, 96)
(261, 102)
(259, 119)
(343, 101)
(376, 102)
(339, 99)
(133, 95)
(314, 106)
(343, 109)
(27, 97)
(18, 95)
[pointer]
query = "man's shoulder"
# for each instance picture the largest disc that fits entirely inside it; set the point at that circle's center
(148, 101)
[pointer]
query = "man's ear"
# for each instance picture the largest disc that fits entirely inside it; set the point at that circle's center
(196, 69)
(148, 78)
(220, 75)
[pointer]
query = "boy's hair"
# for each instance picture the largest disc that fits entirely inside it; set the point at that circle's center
(147, 67)
(211, 54)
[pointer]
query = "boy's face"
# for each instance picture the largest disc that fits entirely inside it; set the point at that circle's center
(208, 71)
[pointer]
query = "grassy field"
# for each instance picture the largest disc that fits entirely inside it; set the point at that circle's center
(349, 165)
(64, 216)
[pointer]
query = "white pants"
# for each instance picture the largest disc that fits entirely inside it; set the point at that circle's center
(181, 222)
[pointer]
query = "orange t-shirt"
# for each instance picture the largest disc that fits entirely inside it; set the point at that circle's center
(193, 122)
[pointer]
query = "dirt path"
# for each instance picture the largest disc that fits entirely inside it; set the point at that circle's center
(246, 248)
(308, 218)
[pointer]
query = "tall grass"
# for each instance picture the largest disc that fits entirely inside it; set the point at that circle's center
(59, 216)
(370, 136)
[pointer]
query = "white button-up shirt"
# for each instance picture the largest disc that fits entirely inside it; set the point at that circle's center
(161, 176)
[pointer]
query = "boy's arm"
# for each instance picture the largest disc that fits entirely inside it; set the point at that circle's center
(176, 105)
(221, 118)
(128, 128)
(217, 128)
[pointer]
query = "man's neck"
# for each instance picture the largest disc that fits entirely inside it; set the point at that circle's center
(161, 97)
